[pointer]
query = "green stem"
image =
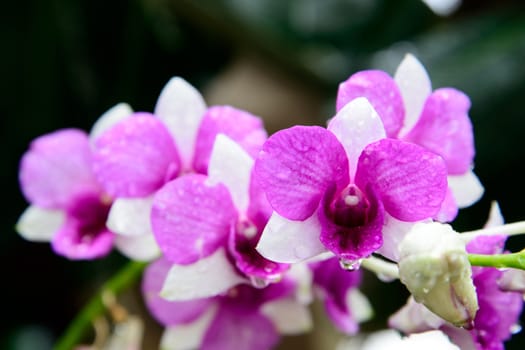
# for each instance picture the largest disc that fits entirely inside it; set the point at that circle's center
(514, 260)
(118, 283)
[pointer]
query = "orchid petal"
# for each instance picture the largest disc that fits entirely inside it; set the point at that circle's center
(414, 83)
(231, 166)
(466, 188)
(495, 216)
(297, 165)
(288, 316)
(191, 218)
(181, 108)
(68, 242)
(207, 277)
(242, 127)
(39, 225)
(381, 91)
(288, 241)
(135, 157)
(449, 208)
(56, 168)
(409, 180)
(140, 248)
(445, 128)
(356, 125)
(130, 216)
(393, 233)
(108, 119)
(168, 313)
(232, 329)
(187, 336)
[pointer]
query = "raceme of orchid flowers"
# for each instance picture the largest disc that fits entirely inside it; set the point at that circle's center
(242, 231)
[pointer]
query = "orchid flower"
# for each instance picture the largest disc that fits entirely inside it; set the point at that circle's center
(437, 120)
(243, 317)
(213, 222)
(135, 156)
(332, 188)
(68, 207)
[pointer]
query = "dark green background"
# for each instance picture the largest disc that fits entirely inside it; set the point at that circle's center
(63, 63)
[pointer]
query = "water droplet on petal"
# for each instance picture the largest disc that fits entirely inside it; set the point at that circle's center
(350, 265)
(259, 282)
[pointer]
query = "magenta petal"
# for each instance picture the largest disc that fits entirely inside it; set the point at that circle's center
(449, 209)
(191, 219)
(334, 283)
(352, 243)
(168, 313)
(445, 128)
(297, 165)
(135, 157)
(237, 329)
(84, 234)
(56, 168)
(409, 180)
(242, 127)
(382, 92)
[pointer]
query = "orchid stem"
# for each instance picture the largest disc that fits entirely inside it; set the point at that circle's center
(513, 260)
(516, 228)
(96, 306)
(383, 269)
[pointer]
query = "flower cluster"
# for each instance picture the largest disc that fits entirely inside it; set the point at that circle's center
(242, 231)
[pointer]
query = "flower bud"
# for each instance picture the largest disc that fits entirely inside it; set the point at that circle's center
(434, 267)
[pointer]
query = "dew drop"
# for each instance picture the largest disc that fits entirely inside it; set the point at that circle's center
(258, 282)
(350, 265)
(426, 290)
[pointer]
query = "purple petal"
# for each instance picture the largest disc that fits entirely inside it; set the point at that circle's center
(410, 181)
(335, 283)
(448, 210)
(382, 92)
(84, 234)
(109, 118)
(135, 157)
(249, 261)
(445, 128)
(487, 244)
(56, 168)
(352, 243)
(232, 329)
(168, 313)
(242, 127)
(191, 219)
(297, 165)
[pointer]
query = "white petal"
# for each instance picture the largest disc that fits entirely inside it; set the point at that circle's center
(39, 225)
(140, 248)
(393, 233)
(187, 336)
(443, 7)
(207, 277)
(359, 305)
(181, 107)
(467, 189)
(232, 166)
(356, 125)
(130, 216)
(110, 118)
(288, 241)
(288, 316)
(303, 276)
(127, 334)
(495, 216)
(413, 82)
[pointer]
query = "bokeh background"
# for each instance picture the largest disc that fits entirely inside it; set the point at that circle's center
(64, 63)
